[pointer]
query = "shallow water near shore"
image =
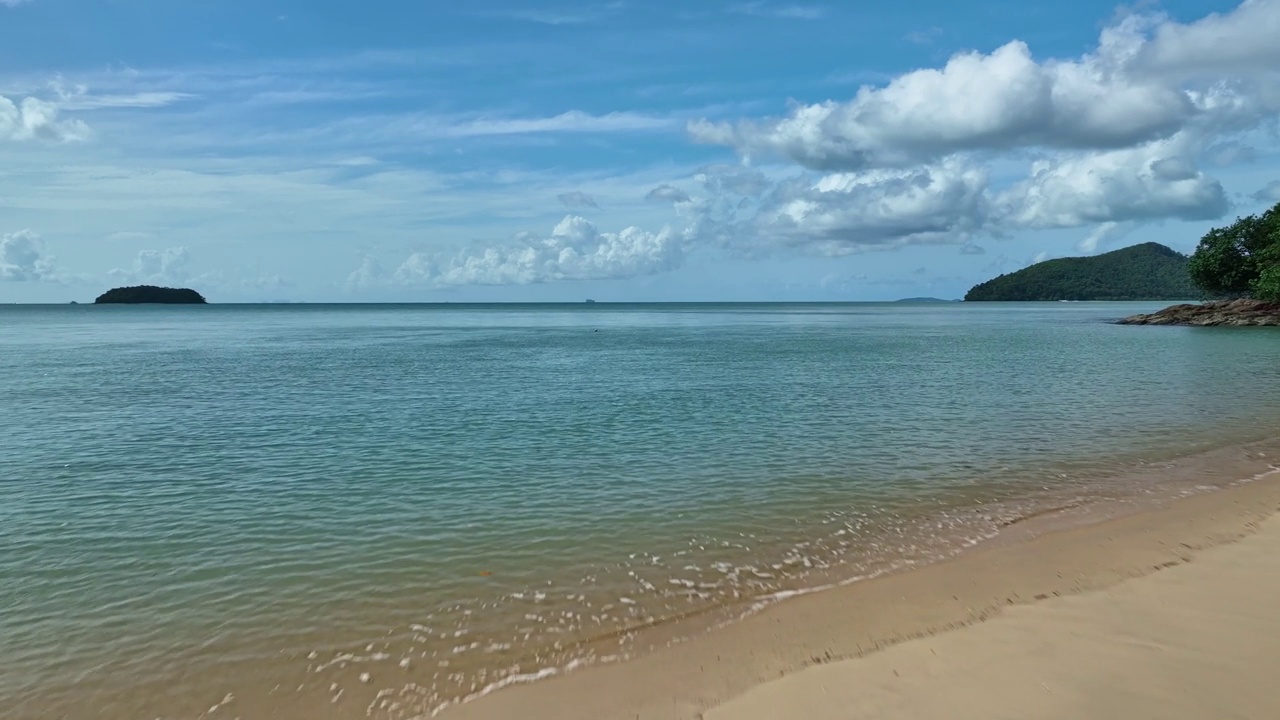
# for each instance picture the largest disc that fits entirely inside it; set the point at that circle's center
(351, 511)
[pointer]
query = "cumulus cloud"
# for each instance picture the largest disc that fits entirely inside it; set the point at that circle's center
(574, 250)
(36, 119)
(169, 266)
(1156, 180)
(1241, 41)
(667, 193)
(842, 213)
(577, 199)
(1109, 139)
(1147, 80)
(976, 102)
(1268, 193)
(369, 273)
(23, 257)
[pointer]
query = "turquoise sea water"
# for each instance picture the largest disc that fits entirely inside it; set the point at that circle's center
(381, 509)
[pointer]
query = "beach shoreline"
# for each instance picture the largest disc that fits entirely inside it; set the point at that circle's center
(1042, 560)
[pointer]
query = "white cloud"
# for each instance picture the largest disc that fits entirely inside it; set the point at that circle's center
(786, 12)
(574, 250)
(1241, 41)
(577, 16)
(976, 102)
(1115, 136)
(369, 273)
(13, 3)
(23, 256)
(134, 100)
(1156, 180)
(842, 213)
(77, 97)
(36, 119)
(171, 267)
(573, 121)
(158, 267)
(1148, 79)
(972, 249)
(577, 199)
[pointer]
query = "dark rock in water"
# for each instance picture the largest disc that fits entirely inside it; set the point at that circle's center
(151, 294)
(1220, 312)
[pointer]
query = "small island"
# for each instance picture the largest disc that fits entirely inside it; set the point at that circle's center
(139, 294)
(1238, 266)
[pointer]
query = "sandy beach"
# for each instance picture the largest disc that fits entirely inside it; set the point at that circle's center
(1166, 613)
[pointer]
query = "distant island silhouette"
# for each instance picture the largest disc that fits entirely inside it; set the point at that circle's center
(151, 294)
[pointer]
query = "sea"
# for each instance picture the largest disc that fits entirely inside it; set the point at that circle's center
(354, 511)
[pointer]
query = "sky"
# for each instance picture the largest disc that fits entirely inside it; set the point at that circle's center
(504, 151)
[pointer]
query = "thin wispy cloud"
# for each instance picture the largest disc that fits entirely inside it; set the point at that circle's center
(137, 100)
(928, 36)
(784, 11)
(573, 121)
(78, 97)
(575, 16)
(23, 257)
(577, 199)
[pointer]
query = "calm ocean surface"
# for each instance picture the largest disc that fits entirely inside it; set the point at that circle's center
(351, 511)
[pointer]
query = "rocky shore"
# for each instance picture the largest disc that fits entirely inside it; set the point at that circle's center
(1219, 312)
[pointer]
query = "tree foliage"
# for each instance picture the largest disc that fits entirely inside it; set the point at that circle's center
(151, 294)
(1241, 259)
(1149, 271)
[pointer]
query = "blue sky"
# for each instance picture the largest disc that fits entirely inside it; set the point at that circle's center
(535, 151)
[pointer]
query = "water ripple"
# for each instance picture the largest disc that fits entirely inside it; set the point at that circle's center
(396, 507)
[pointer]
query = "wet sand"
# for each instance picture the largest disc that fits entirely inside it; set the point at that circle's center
(1172, 613)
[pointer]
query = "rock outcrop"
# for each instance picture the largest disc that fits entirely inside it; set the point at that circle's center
(1218, 312)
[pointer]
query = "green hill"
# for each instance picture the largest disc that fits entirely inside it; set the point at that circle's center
(1149, 271)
